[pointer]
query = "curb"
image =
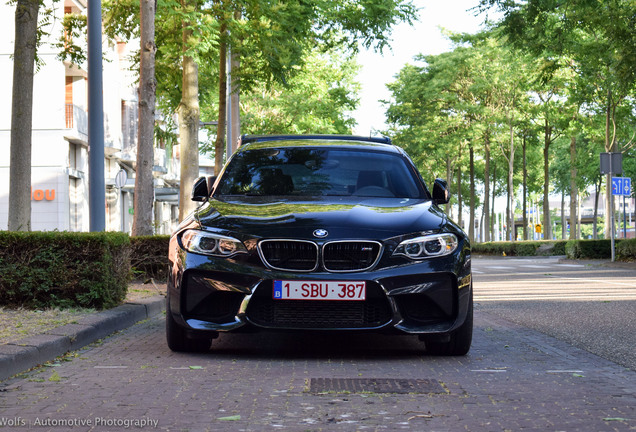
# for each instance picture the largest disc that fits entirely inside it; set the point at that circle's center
(24, 354)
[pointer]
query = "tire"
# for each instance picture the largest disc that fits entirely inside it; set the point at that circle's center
(460, 339)
(177, 337)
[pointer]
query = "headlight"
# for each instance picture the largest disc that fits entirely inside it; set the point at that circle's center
(206, 243)
(427, 246)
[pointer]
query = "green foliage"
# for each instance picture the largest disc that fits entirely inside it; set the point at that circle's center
(494, 248)
(149, 257)
(626, 250)
(534, 86)
(319, 99)
(521, 248)
(71, 44)
(589, 249)
(270, 38)
(62, 269)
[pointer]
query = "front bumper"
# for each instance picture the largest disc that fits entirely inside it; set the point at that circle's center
(218, 295)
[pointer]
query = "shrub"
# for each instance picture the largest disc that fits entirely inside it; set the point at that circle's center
(493, 248)
(525, 248)
(521, 248)
(149, 257)
(589, 249)
(575, 249)
(63, 269)
(626, 250)
(559, 247)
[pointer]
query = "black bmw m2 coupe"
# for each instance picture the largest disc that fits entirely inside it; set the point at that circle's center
(320, 233)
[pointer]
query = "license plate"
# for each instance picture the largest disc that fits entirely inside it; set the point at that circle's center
(319, 290)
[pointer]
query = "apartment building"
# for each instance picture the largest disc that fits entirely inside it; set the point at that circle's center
(60, 137)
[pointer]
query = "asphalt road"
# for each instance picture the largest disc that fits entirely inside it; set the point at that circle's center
(587, 305)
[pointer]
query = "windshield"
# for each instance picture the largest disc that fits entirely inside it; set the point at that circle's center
(315, 172)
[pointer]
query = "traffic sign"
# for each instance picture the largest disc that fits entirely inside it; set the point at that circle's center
(621, 186)
(611, 163)
(121, 178)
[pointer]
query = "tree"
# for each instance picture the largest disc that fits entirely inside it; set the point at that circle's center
(432, 113)
(24, 55)
(319, 99)
(268, 39)
(594, 38)
(188, 112)
(144, 186)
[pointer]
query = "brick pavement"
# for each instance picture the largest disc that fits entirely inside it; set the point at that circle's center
(514, 379)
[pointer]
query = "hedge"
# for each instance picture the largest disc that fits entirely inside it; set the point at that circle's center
(589, 249)
(149, 257)
(521, 248)
(575, 249)
(62, 269)
(626, 250)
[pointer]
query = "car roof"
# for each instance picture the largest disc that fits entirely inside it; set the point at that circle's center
(351, 141)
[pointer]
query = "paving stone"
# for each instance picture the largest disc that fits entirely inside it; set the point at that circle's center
(507, 382)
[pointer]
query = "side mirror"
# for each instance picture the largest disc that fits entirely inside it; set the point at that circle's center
(211, 181)
(441, 193)
(200, 189)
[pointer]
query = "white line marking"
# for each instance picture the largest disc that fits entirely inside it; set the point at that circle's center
(110, 367)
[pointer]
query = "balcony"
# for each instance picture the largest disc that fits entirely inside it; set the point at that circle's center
(77, 120)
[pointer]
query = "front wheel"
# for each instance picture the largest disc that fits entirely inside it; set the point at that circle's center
(460, 339)
(177, 337)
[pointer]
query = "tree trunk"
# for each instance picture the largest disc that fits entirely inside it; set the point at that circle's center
(609, 147)
(471, 219)
(236, 105)
(487, 187)
(188, 112)
(493, 216)
(219, 146)
(547, 229)
(574, 192)
(26, 23)
(597, 191)
(449, 182)
(510, 213)
(563, 220)
(144, 187)
(525, 192)
(459, 195)
(578, 224)
(235, 100)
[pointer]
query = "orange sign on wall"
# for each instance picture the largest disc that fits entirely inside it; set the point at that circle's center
(41, 194)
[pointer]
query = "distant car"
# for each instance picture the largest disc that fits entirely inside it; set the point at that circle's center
(320, 233)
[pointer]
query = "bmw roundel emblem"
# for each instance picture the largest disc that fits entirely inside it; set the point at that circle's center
(321, 233)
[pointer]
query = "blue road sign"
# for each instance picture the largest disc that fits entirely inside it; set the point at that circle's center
(621, 186)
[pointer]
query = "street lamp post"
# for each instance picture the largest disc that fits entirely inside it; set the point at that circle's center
(96, 182)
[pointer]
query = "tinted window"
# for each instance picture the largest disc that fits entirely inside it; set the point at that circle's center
(307, 172)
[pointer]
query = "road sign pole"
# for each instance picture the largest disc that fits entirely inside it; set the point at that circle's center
(624, 219)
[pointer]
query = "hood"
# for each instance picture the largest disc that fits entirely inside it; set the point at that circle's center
(345, 217)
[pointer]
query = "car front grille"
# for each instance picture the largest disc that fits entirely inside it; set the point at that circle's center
(350, 256)
(291, 255)
(265, 311)
(302, 255)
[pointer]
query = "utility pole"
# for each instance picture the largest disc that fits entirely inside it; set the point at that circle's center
(96, 180)
(611, 163)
